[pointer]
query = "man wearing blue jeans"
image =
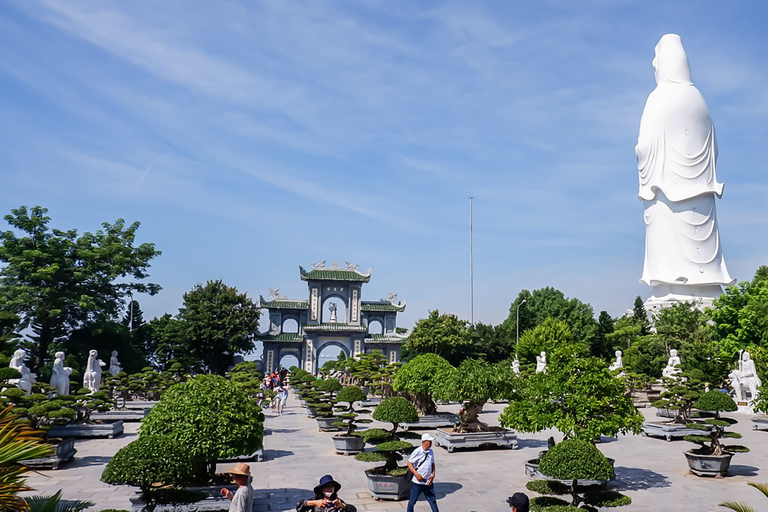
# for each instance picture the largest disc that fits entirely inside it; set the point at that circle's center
(422, 464)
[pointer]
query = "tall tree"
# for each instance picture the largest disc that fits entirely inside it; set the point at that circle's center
(640, 315)
(603, 346)
(490, 342)
(59, 281)
(552, 303)
(442, 334)
(218, 322)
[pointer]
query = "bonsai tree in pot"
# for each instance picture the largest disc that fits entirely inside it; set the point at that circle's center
(389, 447)
(713, 457)
(350, 441)
(680, 395)
(573, 460)
(158, 466)
(417, 378)
(211, 418)
(473, 383)
(324, 405)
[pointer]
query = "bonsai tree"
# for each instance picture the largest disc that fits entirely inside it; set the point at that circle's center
(350, 395)
(575, 459)
(211, 418)
(368, 370)
(152, 463)
(680, 394)
(37, 410)
(389, 447)
(247, 379)
(473, 383)
(418, 377)
(578, 396)
(718, 402)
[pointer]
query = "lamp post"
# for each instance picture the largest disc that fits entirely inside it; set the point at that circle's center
(517, 323)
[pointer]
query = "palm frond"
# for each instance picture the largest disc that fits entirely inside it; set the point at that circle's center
(737, 506)
(763, 488)
(56, 504)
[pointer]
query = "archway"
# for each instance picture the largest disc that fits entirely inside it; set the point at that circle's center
(290, 325)
(340, 306)
(330, 352)
(288, 360)
(375, 327)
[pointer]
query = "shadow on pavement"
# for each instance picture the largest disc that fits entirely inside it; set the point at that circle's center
(91, 460)
(276, 454)
(531, 443)
(286, 498)
(284, 430)
(739, 470)
(443, 489)
(638, 479)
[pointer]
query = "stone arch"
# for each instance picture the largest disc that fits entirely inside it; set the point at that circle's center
(290, 324)
(375, 326)
(342, 306)
(344, 345)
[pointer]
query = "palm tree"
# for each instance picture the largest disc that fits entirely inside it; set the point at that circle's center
(54, 504)
(743, 507)
(18, 442)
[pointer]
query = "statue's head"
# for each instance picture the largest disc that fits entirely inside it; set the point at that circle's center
(93, 353)
(618, 353)
(114, 353)
(673, 353)
(59, 355)
(670, 65)
(745, 356)
(543, 354)
(20, 354)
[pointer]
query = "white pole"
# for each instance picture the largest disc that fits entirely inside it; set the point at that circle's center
(517, 323)
(471, 277)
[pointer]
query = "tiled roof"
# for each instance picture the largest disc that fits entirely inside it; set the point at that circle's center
(382, 306)
(334, 274)
(286, 336)
(335, 327)
(284, 304)
(385, 338)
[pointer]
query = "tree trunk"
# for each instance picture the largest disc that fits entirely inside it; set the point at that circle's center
(469, 421)
(424, 404)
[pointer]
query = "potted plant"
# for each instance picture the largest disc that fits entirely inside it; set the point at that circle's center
(324, 410)
(712, 458)
(569, 463)
(680, 395)
(417, 380)
(389, 481)
(350, 442)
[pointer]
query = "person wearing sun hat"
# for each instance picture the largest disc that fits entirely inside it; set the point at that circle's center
(518, 502)
(326, 498)
(242, 500)
(422, 464)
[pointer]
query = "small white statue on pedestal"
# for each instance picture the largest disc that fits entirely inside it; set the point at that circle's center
(61, 373)
(332, 308)
(745, 378)
(541, 363)
(114, 364)
(27, 377)
(618, 364)
(92, 376)
(516, 366)
(673, 365)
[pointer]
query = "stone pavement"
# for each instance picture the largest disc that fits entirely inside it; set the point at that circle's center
(653, 472)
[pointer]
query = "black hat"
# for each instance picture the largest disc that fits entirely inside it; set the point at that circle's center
(519, 501)
(325, 480)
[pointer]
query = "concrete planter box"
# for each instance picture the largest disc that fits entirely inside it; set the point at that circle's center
(311, 412)
(433, 421)
(371, 402)
(121, 415)
(385, 487)
(65, 451)
(326, 423)
(497, 437)
(257, 456)
(695, 413)
(348, 445)
(668, 431)
(140, 404)
(532, 471)
(760, 423)
(214, 501)
(108, 430)
(708, 465)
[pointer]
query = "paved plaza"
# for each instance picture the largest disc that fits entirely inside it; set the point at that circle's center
(653, 472)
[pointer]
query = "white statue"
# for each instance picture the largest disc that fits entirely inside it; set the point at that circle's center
(541, 363)
(332, 309)
(27, 377)
(114, 364)
(745, 378)
(92, 376)
(61, 373)
(618, 364)
(673, 365)
(676, 154)
(516, 366)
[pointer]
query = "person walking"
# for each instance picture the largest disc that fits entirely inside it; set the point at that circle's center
(280, 398)
(242, 500)
(422, 464)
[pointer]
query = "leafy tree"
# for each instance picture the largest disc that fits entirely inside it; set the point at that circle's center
(646, 355)
(492, 343)
(445, 335)
(169, 338)
(546, 337)
(211, 418)
(640, 316)
(551, 303)
(104, 336)
(56, 281)
(578, 396)
(603, 346)
(575, 459)
(218, 322)
(472, 384)
(418, 378)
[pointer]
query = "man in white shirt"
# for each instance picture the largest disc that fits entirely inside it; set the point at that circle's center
(422, 464)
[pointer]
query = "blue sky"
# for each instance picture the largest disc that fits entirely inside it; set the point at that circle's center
(252, 137)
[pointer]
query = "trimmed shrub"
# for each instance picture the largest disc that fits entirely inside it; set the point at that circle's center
(575, 459)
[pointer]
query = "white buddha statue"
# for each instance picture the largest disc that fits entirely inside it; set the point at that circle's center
(61, 373)
(676, 155)
(745, 378)
(27, 377)
(673, 365)
(114, 364)
(541, 363)
(618, 364)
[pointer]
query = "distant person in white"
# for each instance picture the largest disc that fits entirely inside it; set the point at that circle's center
(242, 499)
(422, 464)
